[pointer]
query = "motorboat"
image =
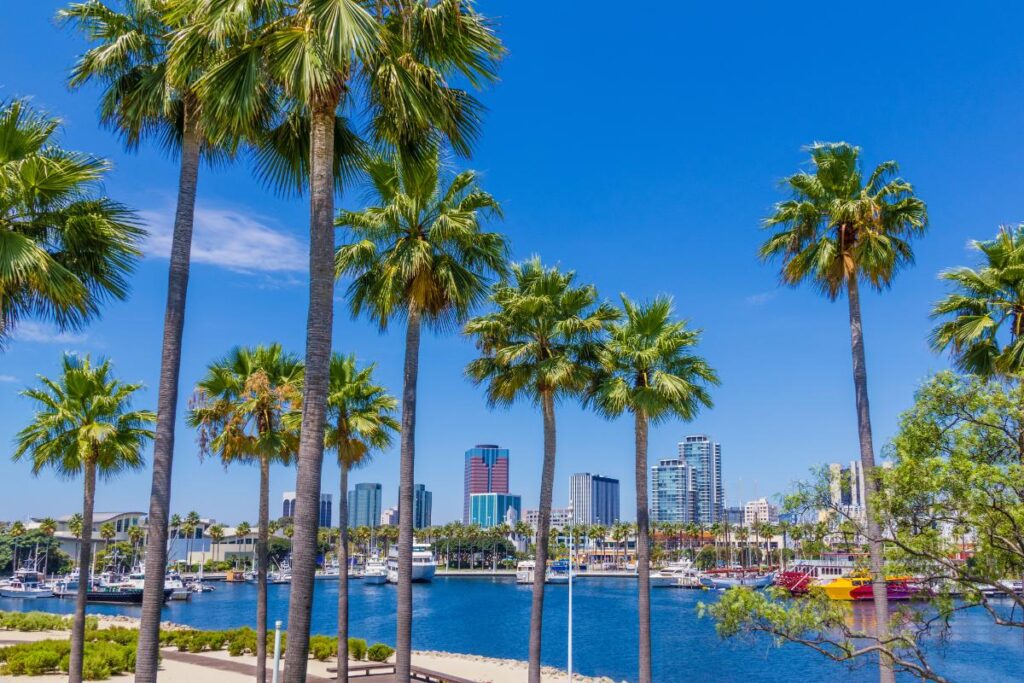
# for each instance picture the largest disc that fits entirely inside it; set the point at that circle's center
(423, 564)
(525, 571)
(668, 577)
(25, 584)
(723, 580)
(859, 587)
(172, 581)
(376, 572)
(558, 572)
(803, 574)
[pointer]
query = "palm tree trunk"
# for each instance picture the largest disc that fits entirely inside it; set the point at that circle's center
(262, 551)
(314, 402)
(167, 402)
(547, 482)
(84, 562)
(643, 552)
(343, 578)
(867, 462)
(403, 638)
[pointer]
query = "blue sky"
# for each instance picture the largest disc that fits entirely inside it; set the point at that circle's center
(640, 149)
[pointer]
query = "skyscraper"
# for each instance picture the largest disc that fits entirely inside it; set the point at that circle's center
(491, 509)
(326, 509)
(594, 499)
(672, 492)
(486, 471)
(364, 505)
(703, 457)
(422, 502)
(846, 486)
(288, 504)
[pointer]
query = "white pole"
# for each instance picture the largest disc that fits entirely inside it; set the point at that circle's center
(277, 649)
(571, 553)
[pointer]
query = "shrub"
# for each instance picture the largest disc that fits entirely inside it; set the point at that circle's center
(40, 621)
(356, 649)
(379, 652)
(95, 668)
(323, 648)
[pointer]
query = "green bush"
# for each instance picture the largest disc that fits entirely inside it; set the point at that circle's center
(357, 649)
(95, 668)
(323, 648)
(103, 658)
(40, 621)
(379, 652)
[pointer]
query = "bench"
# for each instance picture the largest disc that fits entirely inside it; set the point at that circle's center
(421, 674)
(366, 669)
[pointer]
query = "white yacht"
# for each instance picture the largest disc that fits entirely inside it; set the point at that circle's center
(376, 572)
(26, 585)
(669, 576)
(172, 581)
(423, 564)
(525, 571)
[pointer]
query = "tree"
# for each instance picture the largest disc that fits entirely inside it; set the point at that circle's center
(647, 367)
(149, 91)
(983, 326)
(136, 536)
(107, 533)
(359, 419)
(419, 254)
(239, 411)
(242, 531)
(216, 534)
(16, 531)
(538, 344)
(84, 426)
(836, 231)
(48, 525)
(65, 248)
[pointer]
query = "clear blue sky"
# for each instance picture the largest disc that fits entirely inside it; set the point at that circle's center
(640, 148)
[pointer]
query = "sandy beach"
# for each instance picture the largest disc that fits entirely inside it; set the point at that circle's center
(215, 667)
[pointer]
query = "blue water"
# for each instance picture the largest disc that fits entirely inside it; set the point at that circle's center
(490, 616)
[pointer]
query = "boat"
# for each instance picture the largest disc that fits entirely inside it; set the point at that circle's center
(330, 573)
(25, 584)
(858, 587)
(423, 564)
(803, 574)
(234, 576)
(558, 572)
(172, 581)
(279, 577)
(668, 577)
(524, 571)
(723, 580)
(376, 572)
(107, 594)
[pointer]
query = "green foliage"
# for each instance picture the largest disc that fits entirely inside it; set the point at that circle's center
(40, 621)
(105, 656)
(323, 648)
(379, 652)
(356, 649)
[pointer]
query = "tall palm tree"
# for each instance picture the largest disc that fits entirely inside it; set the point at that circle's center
(647, 367)
(64, 247)
(136, 535)
(983, 316)
(216, 534)
(242, 531)
(419, 254)
(48, 525)
(538, 344)
(837, 230)
(107, 533)
(359, 422)
(84, 426)
(148, 91)
(16, 531)
(239, 410)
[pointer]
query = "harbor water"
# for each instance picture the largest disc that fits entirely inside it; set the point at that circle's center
(490, 616)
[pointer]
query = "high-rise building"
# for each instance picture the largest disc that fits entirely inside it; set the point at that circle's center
(760, 512)
(594, 499)
(492, 509)
(364, 505)
(486, 471)
(560, 518)
(422, 502)
(672, 492)
(389, 517)
(288, 504)
(326, 509)
(703, 457)
(846, 488)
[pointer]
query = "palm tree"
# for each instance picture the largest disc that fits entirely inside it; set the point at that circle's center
(84, 426)
(983, 317)
(216, 534)
(648, 369)
(359, 419)
(136, 535)
(188, 530)
(16, 531)
(242, 531)
(64, 247)
(419, 254)
(836, 231)
(538, 344)
(107, 533)
(239, 411)
(148, 91)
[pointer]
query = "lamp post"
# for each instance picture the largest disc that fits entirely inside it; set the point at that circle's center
(572, 530)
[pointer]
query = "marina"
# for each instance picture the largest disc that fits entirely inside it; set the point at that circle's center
(489, 616)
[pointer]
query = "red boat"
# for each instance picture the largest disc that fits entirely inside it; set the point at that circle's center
(796, 582)
(896, 589)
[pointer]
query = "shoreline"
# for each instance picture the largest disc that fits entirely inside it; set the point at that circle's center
(464, 665)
